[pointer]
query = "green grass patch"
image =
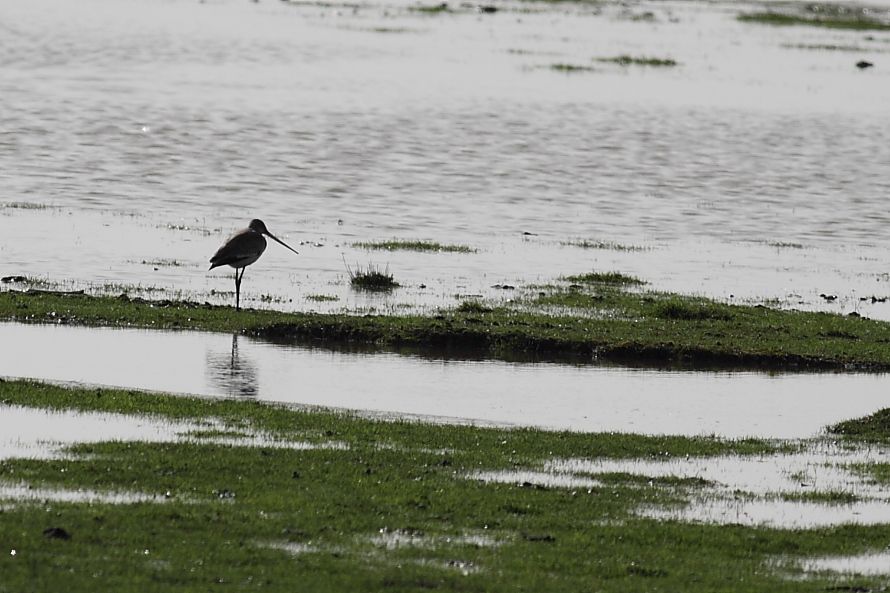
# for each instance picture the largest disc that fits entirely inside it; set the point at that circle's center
(874, 427)
(626, 60)
(611, 278)
(691, 310)
(601, 321)
(829, 17)
(394, 507)
(423, 246)
(473, 307)
(830, 497)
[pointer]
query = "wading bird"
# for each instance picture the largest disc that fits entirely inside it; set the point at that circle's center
(242, 249)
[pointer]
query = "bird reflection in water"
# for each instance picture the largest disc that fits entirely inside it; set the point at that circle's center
(233, 373)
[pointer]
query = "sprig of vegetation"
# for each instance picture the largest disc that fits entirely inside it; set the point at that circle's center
(425, 246)
(570, 68)
(626, 60)
(321, 298)
(440, 8)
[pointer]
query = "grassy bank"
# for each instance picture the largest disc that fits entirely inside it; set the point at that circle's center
(583, 318)
(362, 505)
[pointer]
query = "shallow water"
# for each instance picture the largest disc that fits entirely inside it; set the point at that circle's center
(147, 130)
(773, 490)
(584, 398)
(38, 434)
(877, 563)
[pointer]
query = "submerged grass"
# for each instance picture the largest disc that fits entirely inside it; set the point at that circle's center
(570, 68)
(626, 60)
(613, 278)
(393, 507)
(832, 19)
(610, 245)
(424, 246)
(595, 320)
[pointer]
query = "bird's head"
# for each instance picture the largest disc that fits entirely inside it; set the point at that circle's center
(258, 226)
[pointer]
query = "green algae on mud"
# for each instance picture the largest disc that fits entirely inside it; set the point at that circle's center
(580, 323)
(394, 506)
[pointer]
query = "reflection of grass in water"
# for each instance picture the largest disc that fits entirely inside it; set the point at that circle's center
(834, 19)
(430, 246)
(625, 60)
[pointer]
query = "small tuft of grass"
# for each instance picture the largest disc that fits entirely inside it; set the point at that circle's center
(819, 16)
(372, 278)
(785, 245)
(612, 278)
(610, 245)
(626, 60)
(432, 8)
(570, 68)
(826, 47)
(391, 30)
(423, 246)
(473, 307)
(173, 263)
(321, 298)
(24, 206)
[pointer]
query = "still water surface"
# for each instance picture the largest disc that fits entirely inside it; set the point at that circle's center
(584, 398)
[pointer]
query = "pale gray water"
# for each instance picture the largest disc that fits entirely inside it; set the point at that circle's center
(147, 130)
(583, 398)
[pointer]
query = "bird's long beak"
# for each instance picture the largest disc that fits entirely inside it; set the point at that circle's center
(282, 242)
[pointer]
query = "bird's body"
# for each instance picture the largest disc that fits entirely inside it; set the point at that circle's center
(242, 249)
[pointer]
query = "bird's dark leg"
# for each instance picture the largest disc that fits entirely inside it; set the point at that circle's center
(238, 289)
